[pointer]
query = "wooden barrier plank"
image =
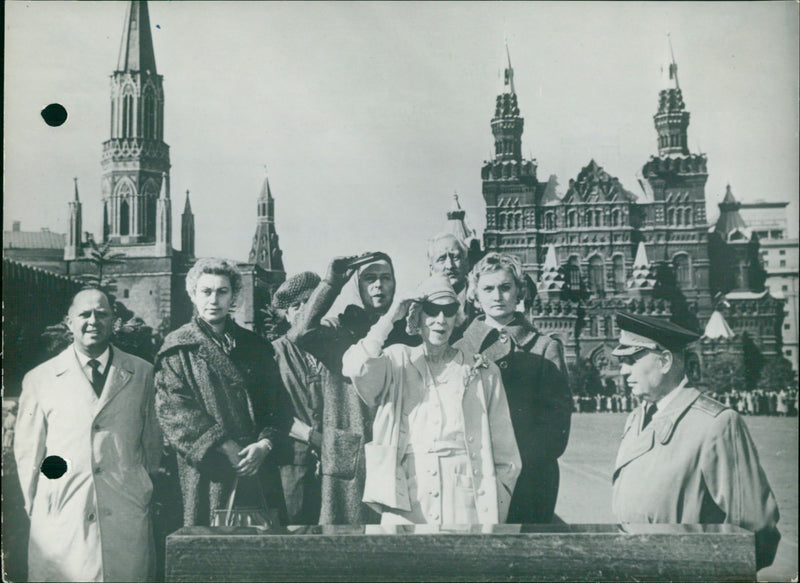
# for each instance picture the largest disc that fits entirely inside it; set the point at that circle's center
(470, 553)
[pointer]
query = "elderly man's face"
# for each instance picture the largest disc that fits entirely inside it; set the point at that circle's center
(644, 372)
(89, 319)
(448, 260)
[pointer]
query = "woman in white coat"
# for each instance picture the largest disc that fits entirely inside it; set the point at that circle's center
(443, 448)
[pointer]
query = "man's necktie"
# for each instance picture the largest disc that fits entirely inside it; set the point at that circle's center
(649, 411)
(98, 380)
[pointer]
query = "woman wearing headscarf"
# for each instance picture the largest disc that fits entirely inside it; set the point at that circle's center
(346, 420)
(534, 378)
(442, 450)
(220, 401)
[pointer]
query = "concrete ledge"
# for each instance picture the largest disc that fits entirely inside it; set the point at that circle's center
(605, 552)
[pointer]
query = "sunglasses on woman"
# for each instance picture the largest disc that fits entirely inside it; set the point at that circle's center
(433, 310)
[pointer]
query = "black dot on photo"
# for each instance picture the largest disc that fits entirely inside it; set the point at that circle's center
(54, 115)
(54, 467)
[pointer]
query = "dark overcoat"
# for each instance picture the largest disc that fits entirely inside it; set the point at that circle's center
(532, 367)
(205, 397)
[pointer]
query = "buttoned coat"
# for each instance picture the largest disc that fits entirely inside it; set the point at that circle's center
(205, 398)
(93, 522)
(694, 463)
(532, 367)
(489, 437)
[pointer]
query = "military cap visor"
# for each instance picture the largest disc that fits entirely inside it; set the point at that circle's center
(643, 332)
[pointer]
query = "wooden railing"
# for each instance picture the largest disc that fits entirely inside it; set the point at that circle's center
(603, 552)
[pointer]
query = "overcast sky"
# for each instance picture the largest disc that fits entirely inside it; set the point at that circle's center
(369, 116)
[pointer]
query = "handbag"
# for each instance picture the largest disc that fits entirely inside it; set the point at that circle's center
(262, 518)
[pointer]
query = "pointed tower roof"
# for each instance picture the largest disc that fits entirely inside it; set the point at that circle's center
(551, 279)
(77, 198)
(641, 257)
(550, 261)
(717, 328)
(730, 224)
(266, 193)
(187, 206)
(642, 275)
(508, 82)
(136, 51)
(457, 222)
(670, 73)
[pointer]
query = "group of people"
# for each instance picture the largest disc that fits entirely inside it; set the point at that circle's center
(758, 402)
(442, 406)
(603, 403)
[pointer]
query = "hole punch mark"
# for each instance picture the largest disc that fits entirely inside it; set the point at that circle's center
(54, 115)
(54, 466)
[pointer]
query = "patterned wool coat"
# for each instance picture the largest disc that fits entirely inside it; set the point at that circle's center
(205, 397)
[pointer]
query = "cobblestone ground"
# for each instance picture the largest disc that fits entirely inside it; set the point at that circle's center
(586, 466)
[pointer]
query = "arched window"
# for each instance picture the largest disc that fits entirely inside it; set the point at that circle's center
(124, 217)
(589, 217)
(619, 273)
(127, 112)
(597, 275)
(149, 110)
(571, 218)
(572, 275)
(598, 218)
(549, 221)
(678, 217)
(671, 216)
(683, 272)
(615, 218)
(687, 216)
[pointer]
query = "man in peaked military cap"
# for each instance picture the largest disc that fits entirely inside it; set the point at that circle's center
(684, 457)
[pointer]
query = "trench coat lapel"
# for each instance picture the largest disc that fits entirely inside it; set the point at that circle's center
(119, 373)
(634, 443)
(69, 372)
(664, 422)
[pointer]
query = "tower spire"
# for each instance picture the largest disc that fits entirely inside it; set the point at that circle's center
(265, 251)
(73, 242)
(135, 157)
(136, 51)
(509, 75)
(673, 66)
(187, 228)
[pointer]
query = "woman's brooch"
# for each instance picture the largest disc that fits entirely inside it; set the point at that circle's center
(479, 363)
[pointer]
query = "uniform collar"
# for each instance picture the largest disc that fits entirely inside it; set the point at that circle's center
(664, 401)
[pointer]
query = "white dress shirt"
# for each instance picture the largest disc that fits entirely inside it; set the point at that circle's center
(83, 360)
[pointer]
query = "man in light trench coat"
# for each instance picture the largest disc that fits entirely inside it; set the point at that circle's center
(92, 407)
(684, 457)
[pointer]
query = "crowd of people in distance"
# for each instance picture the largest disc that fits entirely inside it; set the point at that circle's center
(757, 402)
(441, 406)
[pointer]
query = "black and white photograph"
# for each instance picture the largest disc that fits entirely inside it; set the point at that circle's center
(400, 291)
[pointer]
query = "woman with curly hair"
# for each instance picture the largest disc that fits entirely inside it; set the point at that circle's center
(220, 401)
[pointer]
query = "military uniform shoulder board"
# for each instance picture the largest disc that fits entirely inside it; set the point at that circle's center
(708, 405)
